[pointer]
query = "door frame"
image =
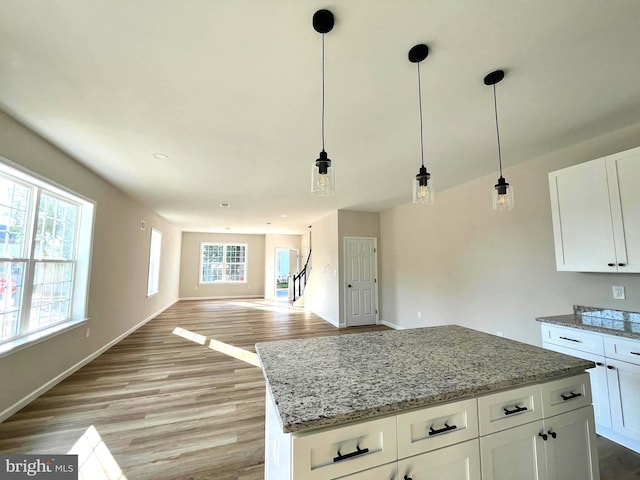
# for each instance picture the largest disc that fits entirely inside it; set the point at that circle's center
(344, 278)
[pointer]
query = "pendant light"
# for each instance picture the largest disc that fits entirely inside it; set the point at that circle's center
(423, 191)
(502, 195)
(322, 172)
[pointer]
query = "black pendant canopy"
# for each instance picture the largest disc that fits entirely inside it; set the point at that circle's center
(494, 77)
(418, 53)
(323, 21)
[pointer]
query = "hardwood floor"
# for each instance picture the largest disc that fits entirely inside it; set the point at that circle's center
(167, 407)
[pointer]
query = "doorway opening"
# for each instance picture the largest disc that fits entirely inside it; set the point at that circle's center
(286, 266)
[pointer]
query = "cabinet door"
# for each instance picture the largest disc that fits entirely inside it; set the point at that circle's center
(598, 379)
(457, 462)
(514, 453)
(624, 392)
(383, 472)
(570, 448)
(581, 216)
(623, 171)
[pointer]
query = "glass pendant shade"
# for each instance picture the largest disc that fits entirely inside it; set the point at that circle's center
(423, 191)
(502, 196)
(322, 176)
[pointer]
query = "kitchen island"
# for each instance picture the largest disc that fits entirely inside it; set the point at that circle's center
(378, 402)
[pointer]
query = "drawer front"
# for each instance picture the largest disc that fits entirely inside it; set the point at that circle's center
(622, 349)
(509, 409)
(566, 394)
(436, 427)
(383, 472)
(573, 338)
(341, 451)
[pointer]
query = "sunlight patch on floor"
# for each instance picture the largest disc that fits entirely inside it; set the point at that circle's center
(95, 461)
(269, 306)
(194, 337)
(235, 352)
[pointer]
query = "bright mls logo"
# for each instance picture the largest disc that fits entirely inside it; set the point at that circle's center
(51, 467)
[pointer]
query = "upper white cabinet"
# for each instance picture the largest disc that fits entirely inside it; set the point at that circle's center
(595, 208)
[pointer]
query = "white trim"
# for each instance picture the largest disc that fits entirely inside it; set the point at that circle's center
(222, 297)
(393, 325)
(54, 381)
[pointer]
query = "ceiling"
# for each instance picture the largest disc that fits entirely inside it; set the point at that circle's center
(230, 93)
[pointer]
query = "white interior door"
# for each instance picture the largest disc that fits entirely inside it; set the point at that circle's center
(361, 272)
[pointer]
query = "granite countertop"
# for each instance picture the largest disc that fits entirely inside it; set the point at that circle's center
(612, 322)
(326, 381)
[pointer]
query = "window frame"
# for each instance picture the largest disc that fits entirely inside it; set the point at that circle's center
(224, 262)
(153, 273)
(83, 237)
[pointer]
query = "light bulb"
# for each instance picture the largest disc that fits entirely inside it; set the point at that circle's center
(323, 181)
(423, 191)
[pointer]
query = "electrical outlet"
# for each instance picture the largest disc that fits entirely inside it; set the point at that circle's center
(88, 332)
(618, 292)
(500, 334)
(419, 315)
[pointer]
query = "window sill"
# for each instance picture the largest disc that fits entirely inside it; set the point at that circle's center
(37, 337)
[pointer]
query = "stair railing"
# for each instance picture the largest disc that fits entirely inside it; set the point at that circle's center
(300, 279)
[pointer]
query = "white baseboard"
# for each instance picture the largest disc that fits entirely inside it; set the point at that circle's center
(393, 325)
(54, 381)
(221, 297)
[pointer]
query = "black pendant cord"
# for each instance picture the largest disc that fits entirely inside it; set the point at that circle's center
(421, 127)
(495, 109)
(323, 92)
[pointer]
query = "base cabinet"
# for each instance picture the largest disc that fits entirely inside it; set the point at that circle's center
(615, 381)
(457, 462)
(624, 391)
(556, 448)
(537, 432)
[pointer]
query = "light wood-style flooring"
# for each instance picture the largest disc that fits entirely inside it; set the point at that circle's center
(167, 407)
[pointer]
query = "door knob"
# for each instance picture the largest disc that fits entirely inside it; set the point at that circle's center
(349, 285)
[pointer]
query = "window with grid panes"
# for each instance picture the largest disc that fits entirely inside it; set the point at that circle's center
(45, 244)
(223, 262)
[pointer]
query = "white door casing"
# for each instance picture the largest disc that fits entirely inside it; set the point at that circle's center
(361, 277)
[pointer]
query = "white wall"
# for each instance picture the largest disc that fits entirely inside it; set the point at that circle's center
(459, 262)
(321, 293)
(271, 242)
(118, 282)
(190, 267)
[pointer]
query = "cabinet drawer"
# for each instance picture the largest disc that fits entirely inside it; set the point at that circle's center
(508, 409)
(566, 394)
(341, 451)
(622, 349)
(383, 472)
(436, 427)
(573, 338)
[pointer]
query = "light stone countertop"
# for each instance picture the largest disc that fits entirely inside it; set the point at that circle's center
(611, 322)
(327, 381)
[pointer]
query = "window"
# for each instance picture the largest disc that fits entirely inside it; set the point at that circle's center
(222, 262)
(154, 262)
(45, 244)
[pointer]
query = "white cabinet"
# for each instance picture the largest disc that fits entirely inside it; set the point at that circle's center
(514, 453)
(457, 462)
(561, 447)
(502, 431)
(595, 208)
(615, 381)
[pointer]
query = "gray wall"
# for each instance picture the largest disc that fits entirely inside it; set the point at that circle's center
(459, 262)
(190, 265)
(118, 283)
